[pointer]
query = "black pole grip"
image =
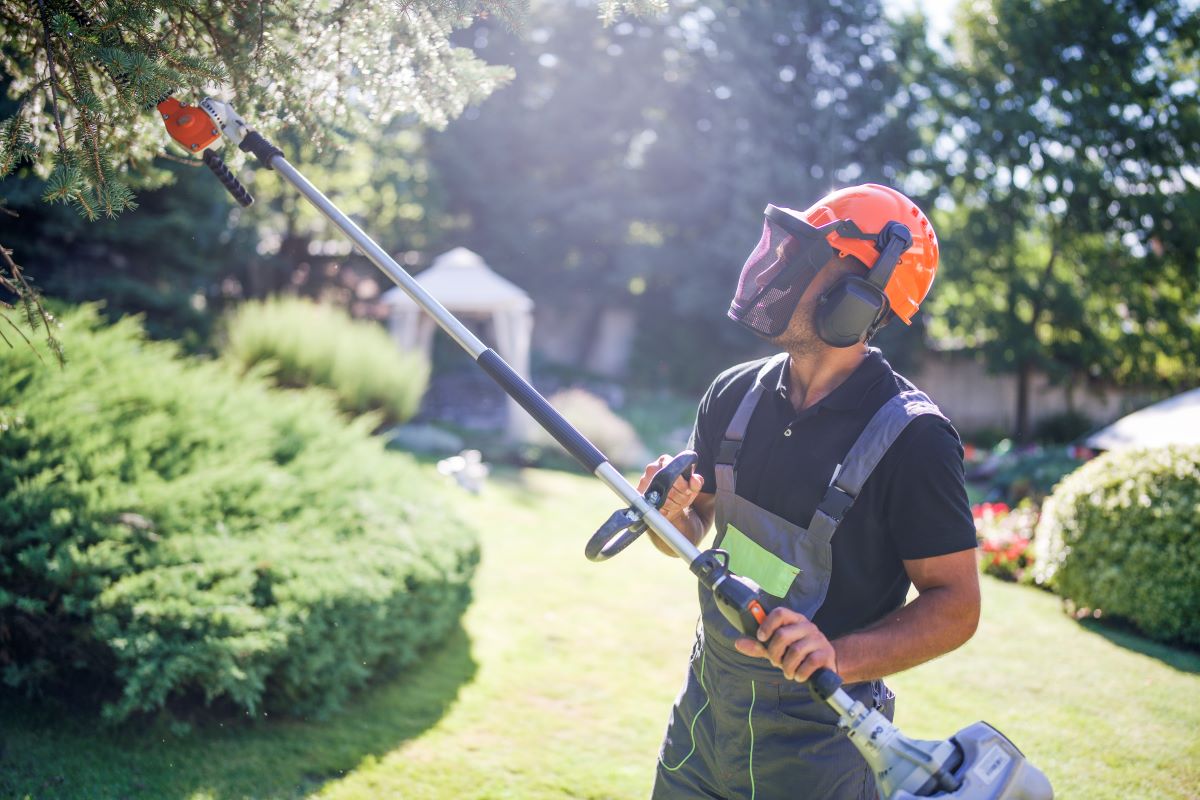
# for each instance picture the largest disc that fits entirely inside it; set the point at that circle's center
(681, 466)
(824, 682)
(545, 414)
(214, 162)
(257, 145)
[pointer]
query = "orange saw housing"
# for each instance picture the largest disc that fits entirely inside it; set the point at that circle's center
(188, 125)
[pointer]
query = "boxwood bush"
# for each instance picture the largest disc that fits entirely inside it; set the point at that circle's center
(1121, 535)
(172, 533)
(301, 343)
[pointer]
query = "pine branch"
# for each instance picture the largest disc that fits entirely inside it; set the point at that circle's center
(17, 328)
(16, 143)
(31, 302)
(58, 123)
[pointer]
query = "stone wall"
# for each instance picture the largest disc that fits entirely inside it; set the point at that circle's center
(975, 399)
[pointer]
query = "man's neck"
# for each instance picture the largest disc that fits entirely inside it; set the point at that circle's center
(812, 376)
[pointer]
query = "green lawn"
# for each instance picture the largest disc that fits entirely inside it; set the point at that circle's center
(560, 683)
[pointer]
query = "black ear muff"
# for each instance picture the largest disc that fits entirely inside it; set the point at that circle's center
(849, 310)
(853, 308)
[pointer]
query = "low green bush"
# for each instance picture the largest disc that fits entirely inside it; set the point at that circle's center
(173, 533)
(1121, 536)
(306, 344)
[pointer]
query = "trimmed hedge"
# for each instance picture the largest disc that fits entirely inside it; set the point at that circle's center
(1121, 535)
(173, 532)
(301, 343)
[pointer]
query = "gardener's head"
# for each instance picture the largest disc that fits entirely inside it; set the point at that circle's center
(835, 273)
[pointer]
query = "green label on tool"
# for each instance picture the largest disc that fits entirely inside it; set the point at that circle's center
(747, 557)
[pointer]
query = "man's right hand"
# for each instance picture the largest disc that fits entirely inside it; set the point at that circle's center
(682, 494)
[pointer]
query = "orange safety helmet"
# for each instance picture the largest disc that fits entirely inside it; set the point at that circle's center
(879, 226)
(871, 207)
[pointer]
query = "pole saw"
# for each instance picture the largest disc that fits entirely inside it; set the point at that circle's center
(977, 763)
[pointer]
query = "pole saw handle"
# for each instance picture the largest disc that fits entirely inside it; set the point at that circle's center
(213, 161)
(626, 525)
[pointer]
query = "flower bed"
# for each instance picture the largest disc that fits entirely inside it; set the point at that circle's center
(1005, 538)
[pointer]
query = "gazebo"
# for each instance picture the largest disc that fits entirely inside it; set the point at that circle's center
(469, 289)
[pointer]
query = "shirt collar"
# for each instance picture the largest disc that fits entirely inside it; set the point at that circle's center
(849, 394)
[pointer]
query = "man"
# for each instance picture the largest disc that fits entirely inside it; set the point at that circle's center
(835, 484)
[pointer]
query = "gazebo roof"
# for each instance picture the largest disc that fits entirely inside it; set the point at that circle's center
(461, 281)
(1175, 420)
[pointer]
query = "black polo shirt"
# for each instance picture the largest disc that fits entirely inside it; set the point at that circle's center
(914, 505)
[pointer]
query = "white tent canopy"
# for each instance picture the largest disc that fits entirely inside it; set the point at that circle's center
(467, 287)
(1175, 420)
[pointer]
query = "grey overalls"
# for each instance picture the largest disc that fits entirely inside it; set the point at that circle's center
(739, 729)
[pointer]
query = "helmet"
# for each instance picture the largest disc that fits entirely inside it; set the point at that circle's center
(871, 206)
(878, 226)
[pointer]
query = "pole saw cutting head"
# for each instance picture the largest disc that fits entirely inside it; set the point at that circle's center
(196, 127)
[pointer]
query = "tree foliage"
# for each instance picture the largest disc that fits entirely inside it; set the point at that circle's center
(83, 79)
(1064, 139)
(628, 167)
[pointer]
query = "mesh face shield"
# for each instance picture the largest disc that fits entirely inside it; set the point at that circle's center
(788, 256)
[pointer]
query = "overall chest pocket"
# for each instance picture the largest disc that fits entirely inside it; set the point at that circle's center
(750, 559)
(781, 557)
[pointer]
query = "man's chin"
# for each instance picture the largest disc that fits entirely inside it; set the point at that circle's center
(798, 342)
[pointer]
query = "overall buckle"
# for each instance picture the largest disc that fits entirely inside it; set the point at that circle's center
(835, 503)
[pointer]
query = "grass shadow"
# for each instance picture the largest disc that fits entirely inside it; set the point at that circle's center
(1183, 660)
(47, 752)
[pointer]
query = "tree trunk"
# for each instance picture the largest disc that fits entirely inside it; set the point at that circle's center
(1025, 368)
(1024, 373)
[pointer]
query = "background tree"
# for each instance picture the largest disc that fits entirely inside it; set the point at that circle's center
(629, 167)
(1064, 139)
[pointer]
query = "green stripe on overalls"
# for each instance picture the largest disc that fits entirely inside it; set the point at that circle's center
(692, 726)
(750, 724)
(750, 559)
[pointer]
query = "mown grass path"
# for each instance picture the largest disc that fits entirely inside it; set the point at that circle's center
(559, 687)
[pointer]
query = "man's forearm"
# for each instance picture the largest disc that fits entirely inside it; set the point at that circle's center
(936, 622)
(690, 523)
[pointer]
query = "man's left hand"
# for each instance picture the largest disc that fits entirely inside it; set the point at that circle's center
(792, 643)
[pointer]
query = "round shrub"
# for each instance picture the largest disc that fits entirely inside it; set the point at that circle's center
(301, 343)
(592, 417)
(1121, 535)
(172, 532)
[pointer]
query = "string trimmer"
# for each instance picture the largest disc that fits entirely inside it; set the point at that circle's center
(977, 763)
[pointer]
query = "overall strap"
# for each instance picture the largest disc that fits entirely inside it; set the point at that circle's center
(876, 439)
(731, 443)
